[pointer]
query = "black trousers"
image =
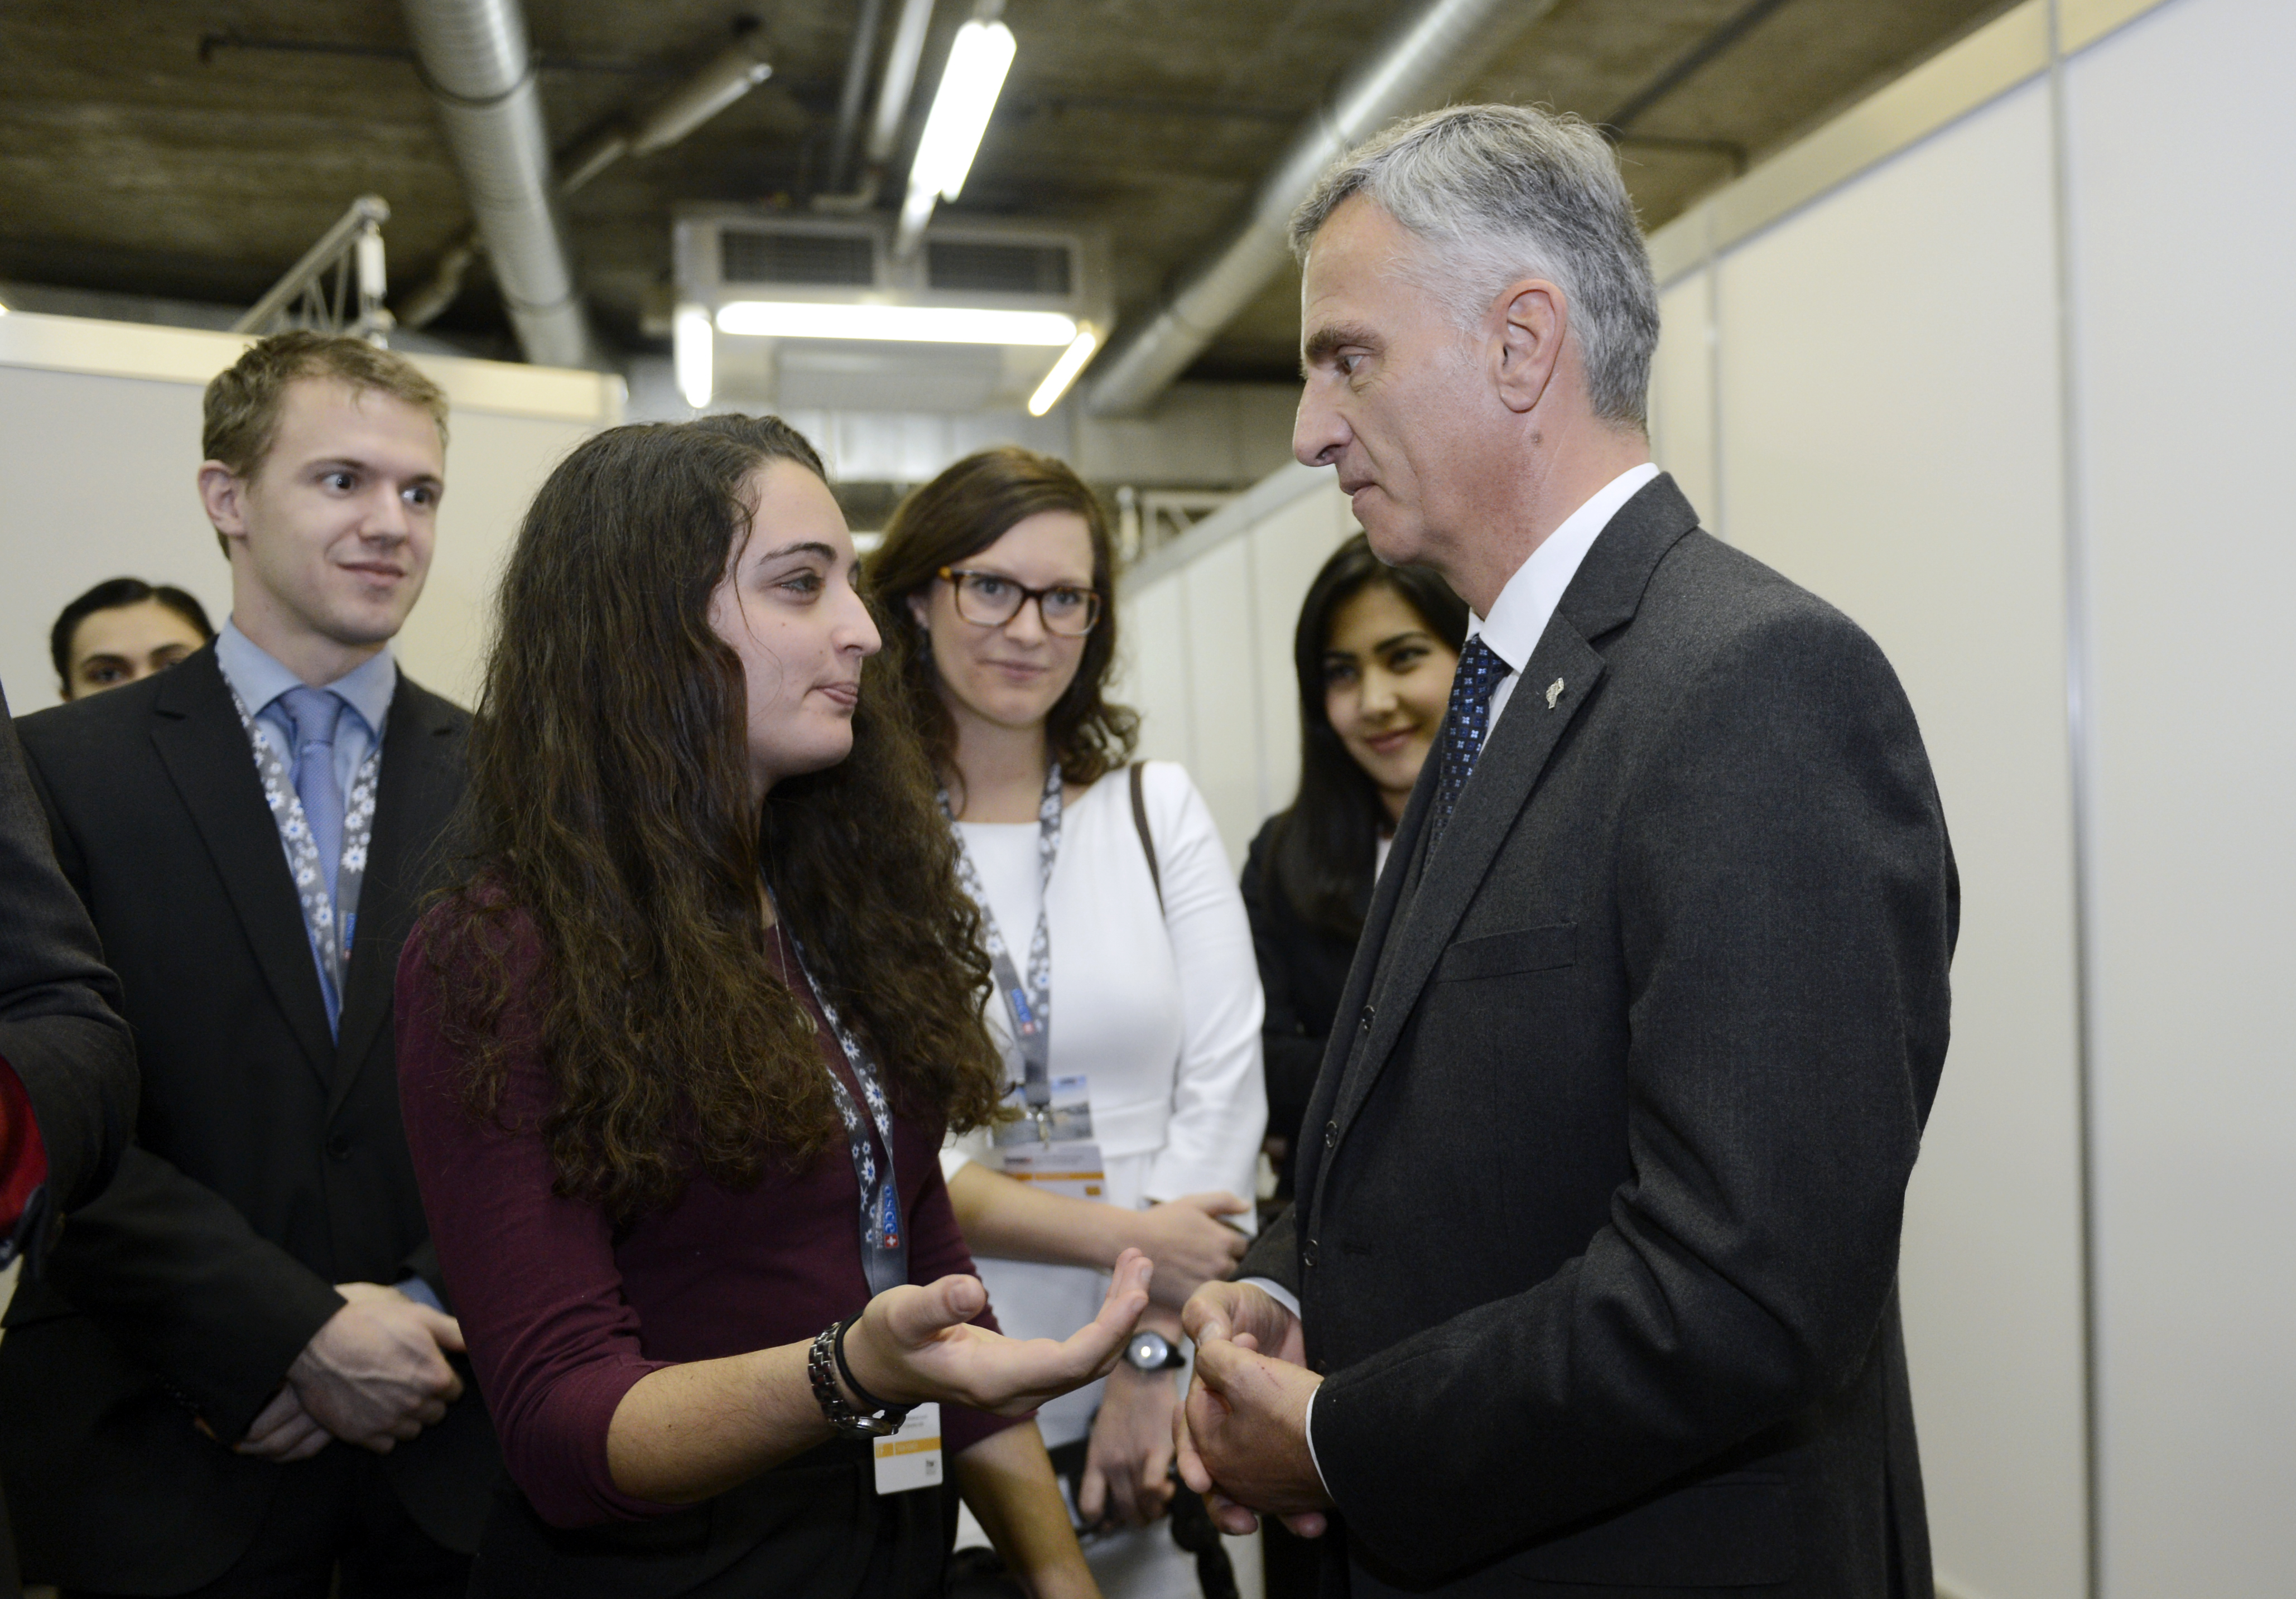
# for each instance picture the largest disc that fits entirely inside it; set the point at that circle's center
(335, 1527)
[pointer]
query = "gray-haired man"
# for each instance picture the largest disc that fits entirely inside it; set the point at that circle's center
(1592, 1274)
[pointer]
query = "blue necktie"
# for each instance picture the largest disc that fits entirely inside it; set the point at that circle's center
(1464, 728)
(312, 714)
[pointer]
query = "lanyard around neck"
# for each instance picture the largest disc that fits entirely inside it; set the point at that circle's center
(884, 1243)
(1028, 1002)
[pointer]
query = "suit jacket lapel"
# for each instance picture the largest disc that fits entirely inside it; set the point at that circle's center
(1387, 894)
(1602, 597)
(204, 748)
(417, 788)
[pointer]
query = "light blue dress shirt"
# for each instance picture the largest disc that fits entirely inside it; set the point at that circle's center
(258, 680)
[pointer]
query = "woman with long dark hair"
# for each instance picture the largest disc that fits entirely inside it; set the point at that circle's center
(1124, 998)
(676, 1053)
(1374, 651)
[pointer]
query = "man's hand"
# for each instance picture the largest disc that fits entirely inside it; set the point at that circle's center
(1249, 1317)
(1189, 1245)
(375, 1374)
(1246, 1433)
(283, 1431)
(918, 1344)
(1128, 1469)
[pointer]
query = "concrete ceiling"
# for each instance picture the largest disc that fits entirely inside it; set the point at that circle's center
(193, 149)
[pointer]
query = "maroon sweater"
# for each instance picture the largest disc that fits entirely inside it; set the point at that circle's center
(562, 1320)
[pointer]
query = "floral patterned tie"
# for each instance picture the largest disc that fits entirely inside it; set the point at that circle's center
(1464, 728)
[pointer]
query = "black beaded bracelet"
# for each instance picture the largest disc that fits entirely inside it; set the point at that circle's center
(823, 1364)
(869, 1401)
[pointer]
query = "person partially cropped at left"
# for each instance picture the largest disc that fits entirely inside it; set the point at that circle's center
(677, 1053)
(239, 1375)
(67, 1060)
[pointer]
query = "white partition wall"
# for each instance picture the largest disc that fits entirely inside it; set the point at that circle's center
(102, 444)
(2180, 133)
(1997, 363)
(1206, 647)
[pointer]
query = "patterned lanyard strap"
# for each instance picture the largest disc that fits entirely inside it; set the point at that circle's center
(1029, 1003)
(332, 925)
(884, 1243)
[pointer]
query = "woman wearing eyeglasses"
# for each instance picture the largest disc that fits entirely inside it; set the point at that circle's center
(1128, 1002)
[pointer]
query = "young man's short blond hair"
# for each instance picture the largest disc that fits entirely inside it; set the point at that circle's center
(244, 402)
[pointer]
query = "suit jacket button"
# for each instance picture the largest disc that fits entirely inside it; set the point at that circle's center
(1331, 1134)
(1364, 1026)
(338, 1147)
(1307, 1253)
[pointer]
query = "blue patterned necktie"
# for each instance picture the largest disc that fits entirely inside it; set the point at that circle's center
(312, 714)
(1479, 672)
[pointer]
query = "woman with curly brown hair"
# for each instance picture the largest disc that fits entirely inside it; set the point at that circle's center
(678, 1051)
(1126, 999)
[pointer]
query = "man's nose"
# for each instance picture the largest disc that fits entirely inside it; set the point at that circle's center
(387, 515)
(1318, 434)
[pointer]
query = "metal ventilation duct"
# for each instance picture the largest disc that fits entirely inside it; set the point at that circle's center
(1416, 64)
(475, 61)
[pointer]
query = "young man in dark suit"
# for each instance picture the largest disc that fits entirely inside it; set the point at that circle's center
(1591, 1281)
(238, 1376)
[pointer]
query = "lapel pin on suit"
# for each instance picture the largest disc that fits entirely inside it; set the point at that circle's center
(1554, 693)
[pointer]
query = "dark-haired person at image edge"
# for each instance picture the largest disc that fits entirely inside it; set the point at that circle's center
(1373, 651)
(240, 1375)
(678, 1053)
(1590, 1286)
(67, 1060)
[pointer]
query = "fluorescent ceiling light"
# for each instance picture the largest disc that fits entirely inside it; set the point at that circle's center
(1064, 370)
(694, 354)
(916, 324)
(969, 87)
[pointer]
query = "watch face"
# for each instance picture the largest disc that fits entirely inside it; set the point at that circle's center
(1149, 1352)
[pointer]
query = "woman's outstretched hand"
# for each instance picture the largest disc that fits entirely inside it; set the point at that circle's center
(915, 1344)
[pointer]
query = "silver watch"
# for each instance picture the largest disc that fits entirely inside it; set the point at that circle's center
(1151, 1352)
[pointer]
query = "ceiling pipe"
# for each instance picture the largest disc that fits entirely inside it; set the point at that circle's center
(854, 93)
(727, 76)
(893, 91)
(1418, 61)
(474, 61)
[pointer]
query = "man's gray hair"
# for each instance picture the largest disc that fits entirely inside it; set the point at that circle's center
(1496, 193)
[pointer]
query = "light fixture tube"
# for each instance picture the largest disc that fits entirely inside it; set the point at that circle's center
(1073, 360)
(694, 355)
(977, 61)
(914, 324)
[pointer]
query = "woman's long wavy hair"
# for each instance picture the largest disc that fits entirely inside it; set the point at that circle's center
(1324, 846)
(957, 516)
(608, 806)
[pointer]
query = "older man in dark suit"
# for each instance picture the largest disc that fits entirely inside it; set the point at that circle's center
(1590, 1286)
(239, 1377)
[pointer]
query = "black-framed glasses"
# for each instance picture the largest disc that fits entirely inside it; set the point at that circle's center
(991, 599)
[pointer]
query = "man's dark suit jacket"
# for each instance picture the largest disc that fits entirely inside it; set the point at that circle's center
(269, 1163)
(60, 1026)
(1598, 1234)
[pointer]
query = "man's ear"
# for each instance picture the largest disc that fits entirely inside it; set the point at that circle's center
(223, 494)
(1533, 320)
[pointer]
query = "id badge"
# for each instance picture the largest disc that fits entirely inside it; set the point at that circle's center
(910, 1459)
(1066, 1120)
(1072, 1166)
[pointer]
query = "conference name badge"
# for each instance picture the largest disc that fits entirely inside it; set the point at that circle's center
(910, 1458)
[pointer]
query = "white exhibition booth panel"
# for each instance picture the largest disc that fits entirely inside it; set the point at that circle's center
(1992, 361)
(102, 447)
